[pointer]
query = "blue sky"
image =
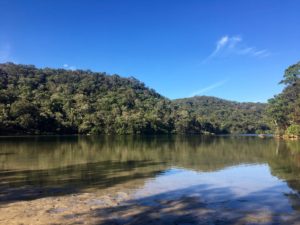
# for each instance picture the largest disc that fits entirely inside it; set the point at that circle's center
(233, 49)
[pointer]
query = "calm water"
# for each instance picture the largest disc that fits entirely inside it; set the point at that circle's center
(240, 172)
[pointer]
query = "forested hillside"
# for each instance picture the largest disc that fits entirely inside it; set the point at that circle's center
(284, 108)
(227, 116)
(58, 101)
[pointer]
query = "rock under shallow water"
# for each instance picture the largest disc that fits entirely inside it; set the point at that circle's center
(120, 208)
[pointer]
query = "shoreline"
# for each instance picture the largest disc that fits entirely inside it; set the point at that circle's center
(115, 206)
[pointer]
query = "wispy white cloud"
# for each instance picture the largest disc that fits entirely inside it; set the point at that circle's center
(209, 88)
(234, 45)
(68, 67)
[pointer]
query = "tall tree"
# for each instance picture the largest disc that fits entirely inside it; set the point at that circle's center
(284, 109)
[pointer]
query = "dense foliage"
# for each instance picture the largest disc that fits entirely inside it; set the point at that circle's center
(58, 101)
(293, 130)
(284, 109)
(227, 116)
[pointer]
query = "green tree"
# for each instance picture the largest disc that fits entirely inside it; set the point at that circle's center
(284, 109)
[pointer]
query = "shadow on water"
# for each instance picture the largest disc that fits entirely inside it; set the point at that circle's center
(175, 208)
(32, 184)
(32, 168)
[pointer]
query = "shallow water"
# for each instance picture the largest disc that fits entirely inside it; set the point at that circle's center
(235, 173)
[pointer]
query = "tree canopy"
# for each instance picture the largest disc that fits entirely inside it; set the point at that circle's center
(226, 116)
(58, 101)
(284, 108)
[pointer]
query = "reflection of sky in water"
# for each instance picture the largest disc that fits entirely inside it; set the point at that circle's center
(239, 169)
(238, 187)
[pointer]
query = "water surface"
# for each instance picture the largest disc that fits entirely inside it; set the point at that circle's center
(236, 173)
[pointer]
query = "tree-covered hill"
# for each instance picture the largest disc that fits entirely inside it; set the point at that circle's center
(58, 101)
(227, 116)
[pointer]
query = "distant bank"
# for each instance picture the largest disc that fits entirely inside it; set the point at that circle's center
(58, 101)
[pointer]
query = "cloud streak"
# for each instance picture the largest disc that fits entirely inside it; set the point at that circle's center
(234, 45)
(68, 67)
(209, 88)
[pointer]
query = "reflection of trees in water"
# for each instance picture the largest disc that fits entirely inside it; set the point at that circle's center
(31, 184)
(93, 161)
(199, 153)
(286, 166)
